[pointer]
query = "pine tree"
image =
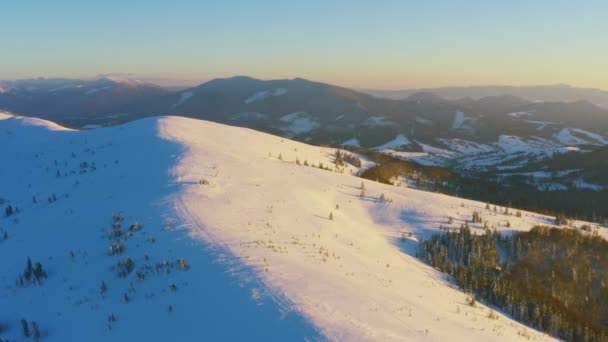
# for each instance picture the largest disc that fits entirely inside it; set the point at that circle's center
(9, 210)
(338, 160)
(29, 269)
(103, 288)
(25, 328)
(35, 331)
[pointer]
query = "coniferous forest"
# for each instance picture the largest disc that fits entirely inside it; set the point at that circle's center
(552, 279)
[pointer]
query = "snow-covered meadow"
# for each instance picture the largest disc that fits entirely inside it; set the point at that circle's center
(235, 240)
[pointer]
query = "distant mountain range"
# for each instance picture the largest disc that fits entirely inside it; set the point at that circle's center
(491, 129)
(544, 93)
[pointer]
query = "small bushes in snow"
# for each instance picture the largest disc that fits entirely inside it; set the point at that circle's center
(25, 328)
(135, 227)
(124, 267)
(116, 248)
(471, 301)
(476, 217)
(385, 199)
(184, 264)
(9, 211)
(34, 273)
(561, 220)
(103, 288)
(115, 232)
(111, 318)
(33, 332)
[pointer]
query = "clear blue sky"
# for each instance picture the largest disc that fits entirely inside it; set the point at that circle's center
(382, 44)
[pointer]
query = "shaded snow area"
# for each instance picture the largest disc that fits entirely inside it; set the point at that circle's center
(465, 146)
(264, 261)
(298, 122)
(128, 170)
(399, 141)
(183, 98)
(507, 152)
(352, 142)
(377, 121)
(421, 158)
(249, 116)
(577, 136)
(97, 90)
(458, 120)
(512, 144)
(424, 121)
(462, 122)
(540, 125)
(261, 95)
(556, 180)
(521, 114)
(436, 151)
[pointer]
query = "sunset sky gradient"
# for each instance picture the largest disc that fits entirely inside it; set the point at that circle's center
(364, 44)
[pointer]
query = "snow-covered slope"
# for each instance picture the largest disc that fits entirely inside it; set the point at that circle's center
(264, 259)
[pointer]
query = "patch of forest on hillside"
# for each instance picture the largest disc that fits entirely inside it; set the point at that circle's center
(555, 280)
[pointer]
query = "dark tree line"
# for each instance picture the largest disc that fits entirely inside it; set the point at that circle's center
(552, 279)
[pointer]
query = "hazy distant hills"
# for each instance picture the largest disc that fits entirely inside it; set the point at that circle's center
(547, 93)
(70, 100)
(488, 125)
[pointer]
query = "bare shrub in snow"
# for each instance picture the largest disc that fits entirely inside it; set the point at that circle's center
(124, 267)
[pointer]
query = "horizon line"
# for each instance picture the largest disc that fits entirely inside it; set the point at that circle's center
(183, 83)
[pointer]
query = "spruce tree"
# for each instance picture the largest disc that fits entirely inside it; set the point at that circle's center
(35, 331)
(25, 328)
(9, 210)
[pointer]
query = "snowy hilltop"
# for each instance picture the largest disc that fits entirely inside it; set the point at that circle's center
(176, 229)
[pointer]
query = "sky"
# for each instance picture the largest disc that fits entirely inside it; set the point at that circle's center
(362, 44)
